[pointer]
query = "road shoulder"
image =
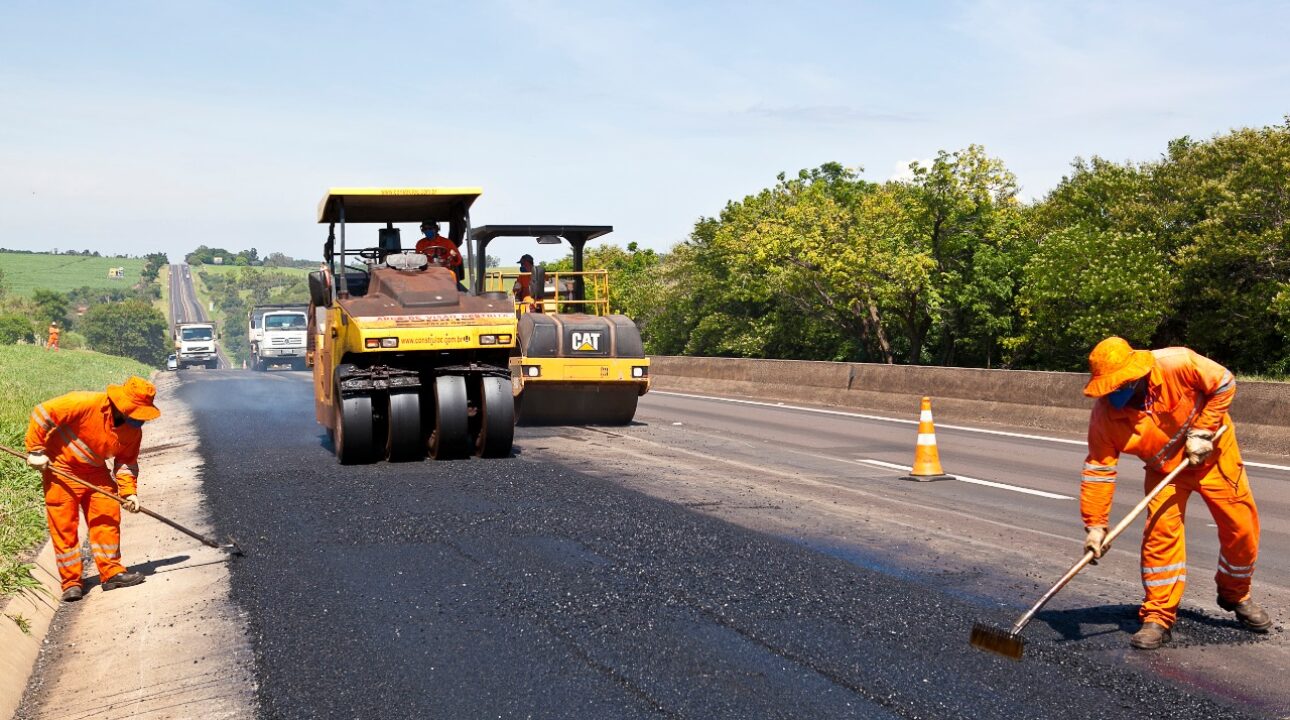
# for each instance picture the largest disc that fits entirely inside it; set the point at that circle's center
(175, 646)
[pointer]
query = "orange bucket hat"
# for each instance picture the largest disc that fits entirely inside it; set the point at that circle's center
(134, 398)
(1113, 363)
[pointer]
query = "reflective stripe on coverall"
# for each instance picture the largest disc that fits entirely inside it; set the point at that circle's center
(1185, 390)
(75, 432)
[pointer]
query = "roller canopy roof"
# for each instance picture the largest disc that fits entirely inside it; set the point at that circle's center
(585, 233)
(395, 204)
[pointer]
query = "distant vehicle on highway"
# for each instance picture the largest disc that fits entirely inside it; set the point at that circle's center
(277, 334)
(172, 362)
(195, 345)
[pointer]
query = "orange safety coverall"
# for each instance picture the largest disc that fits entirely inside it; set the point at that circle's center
(53, 339)
(452, 257)
(1185, 390)
(522, 286)
(75, 432)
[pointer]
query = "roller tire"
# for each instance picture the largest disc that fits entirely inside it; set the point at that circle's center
(450, 436)
(497, 418)
(404, 440)
(353, 435)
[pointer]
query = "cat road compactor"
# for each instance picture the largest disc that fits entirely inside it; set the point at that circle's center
(407, 360)
(575, 364)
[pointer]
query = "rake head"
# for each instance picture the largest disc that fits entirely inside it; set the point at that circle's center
(1003, 642)
(232, 547)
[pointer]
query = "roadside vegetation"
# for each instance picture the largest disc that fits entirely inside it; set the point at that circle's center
(950, 267)
(29, 375)
(118, 319)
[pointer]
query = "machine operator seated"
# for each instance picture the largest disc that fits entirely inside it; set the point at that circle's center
(438, 249)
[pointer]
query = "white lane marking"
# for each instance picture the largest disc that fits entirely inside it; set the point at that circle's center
(974, 481)
(1024, 436)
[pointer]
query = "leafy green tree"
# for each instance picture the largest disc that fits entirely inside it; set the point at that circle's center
(133, 329)
(15, 328)
(155, 261)
(1083, 285)
(50, 306)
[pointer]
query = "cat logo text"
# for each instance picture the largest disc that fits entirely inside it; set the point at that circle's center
(585, 341)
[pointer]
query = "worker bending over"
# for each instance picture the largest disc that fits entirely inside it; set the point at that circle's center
(77, 434)
(1165, 406)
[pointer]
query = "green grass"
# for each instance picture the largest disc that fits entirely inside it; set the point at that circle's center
(25, 273)
(29, 375)
(163, 303)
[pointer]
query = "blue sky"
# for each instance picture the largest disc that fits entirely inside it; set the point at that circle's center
(137, 126)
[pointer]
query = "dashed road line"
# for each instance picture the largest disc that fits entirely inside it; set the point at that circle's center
(902, 421)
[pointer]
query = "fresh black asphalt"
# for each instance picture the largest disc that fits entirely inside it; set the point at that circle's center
(513, 588)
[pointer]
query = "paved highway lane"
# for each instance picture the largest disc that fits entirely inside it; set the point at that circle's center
(184, 305)
(656, 570)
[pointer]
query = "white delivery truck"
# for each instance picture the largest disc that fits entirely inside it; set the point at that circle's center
(277, 335)
(195, 345)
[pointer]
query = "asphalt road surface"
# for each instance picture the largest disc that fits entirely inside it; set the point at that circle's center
(714, 559)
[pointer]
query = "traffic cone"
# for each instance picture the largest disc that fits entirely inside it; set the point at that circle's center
(927, 461)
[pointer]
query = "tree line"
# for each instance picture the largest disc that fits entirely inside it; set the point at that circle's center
(950, 267)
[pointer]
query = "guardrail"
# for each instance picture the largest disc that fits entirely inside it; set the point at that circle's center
(1048, 401)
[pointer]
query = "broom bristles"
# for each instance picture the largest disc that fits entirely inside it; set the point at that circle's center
(995, 640)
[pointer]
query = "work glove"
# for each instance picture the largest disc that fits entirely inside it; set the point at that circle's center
(131, 503)
(1093, 539)
(1200, 443)
(37, 461)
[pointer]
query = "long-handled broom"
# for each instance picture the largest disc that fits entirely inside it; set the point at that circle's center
(1009, 643)
(231, 546)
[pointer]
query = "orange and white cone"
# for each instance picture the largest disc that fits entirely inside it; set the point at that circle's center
(927, 461)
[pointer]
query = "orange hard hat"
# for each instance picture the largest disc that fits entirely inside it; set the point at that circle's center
(1113, 363)
(134, 398)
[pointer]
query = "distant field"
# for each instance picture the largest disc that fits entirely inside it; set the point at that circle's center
(25, 273)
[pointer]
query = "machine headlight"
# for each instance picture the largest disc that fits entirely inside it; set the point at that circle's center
(532, 371)
(639, 371)
(374, 343)
(487, 339)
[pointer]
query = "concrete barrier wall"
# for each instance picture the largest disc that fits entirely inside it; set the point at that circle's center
(1047, 401)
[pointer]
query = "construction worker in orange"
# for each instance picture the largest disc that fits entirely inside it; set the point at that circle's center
(521, 288)
(438, 248)
(77, 434)
(52, 342)
(1165, 406)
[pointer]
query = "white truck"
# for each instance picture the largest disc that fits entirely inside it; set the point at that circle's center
(277, 335)
(195, 345)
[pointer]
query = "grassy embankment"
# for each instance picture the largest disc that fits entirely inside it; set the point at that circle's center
(29, 375)
(163, 303)
(26, 272)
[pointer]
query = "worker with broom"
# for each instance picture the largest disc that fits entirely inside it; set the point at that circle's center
(1165, 406)
(76, 434)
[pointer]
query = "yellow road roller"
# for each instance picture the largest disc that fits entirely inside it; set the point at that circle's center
(575, 363)
(407, 360)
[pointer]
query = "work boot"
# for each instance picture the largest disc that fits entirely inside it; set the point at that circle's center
(73, 593)
(1249, 614)
(124, 579)
(1151, 636)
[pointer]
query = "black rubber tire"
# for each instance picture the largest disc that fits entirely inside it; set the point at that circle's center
(497, 418)
(404, 441)
(450, 438)
(353, 436)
